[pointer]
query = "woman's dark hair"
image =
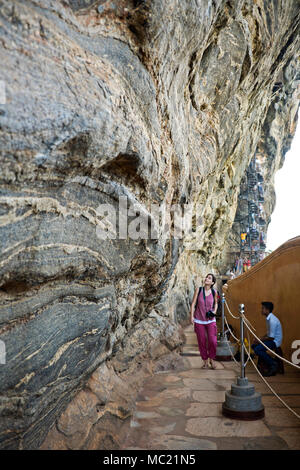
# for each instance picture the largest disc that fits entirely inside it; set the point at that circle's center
(213, 277)
(268, 306)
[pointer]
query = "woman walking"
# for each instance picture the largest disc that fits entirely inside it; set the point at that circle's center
(203, 310)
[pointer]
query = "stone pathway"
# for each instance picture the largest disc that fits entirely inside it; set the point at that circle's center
(181, 409)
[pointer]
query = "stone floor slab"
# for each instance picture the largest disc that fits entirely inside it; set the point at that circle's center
(209, 374)
(251, 443)
(278, 378)
(204, 409)
(232, 366)
(145, 415)
(163, 429)
(292, 437)
(224, 383)
(182, 409)
(172, 442)
(201, 384)
(171, 378)
(223, 427)
(286, 388)
(153, 402)
(134, 423)
(209, 397)
(136, 438)
(282, 417)
(192, 341)
(181, 393)
(197, 363)
(164, 410)
(271, 401)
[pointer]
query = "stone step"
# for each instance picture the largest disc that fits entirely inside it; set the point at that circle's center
(190, 346)
(191, 340)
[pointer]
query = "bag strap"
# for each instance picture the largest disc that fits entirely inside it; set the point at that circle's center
(203, 290)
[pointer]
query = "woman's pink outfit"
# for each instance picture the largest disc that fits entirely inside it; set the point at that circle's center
(207, 331)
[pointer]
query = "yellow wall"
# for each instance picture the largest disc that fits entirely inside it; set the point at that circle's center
(275, 279)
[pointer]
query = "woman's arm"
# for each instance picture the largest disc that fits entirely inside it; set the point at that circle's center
(193, 304)
(216, 305)
(216, 301)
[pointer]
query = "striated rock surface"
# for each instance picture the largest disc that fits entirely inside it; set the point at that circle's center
(98, 416)
(161, 102)
(277, 132)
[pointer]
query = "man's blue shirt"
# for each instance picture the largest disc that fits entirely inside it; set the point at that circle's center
(274, 329)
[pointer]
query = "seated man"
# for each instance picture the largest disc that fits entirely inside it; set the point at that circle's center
(272, 340)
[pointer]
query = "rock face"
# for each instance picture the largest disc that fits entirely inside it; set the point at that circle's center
(278, 129)
(111, 104)
(96, 417)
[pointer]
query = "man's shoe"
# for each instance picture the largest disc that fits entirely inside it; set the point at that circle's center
(271, 371)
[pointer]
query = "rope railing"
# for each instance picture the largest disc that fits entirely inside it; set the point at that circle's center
(249, 346)
(247, 323)
(233, 316)
(233, 337)
(244, 320)
(230, 331)
(272, 390)
(237, 318)
(273, 352)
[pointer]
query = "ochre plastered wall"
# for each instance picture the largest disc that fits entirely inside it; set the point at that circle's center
(275, 279)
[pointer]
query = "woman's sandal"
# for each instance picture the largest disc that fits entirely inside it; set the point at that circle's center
(213, 365)
(205, 366)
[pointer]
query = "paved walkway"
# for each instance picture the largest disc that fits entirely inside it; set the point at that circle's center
(181, 409)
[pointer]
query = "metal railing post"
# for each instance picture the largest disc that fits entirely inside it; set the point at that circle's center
(223, 326)
(242, 402)
(241, 307)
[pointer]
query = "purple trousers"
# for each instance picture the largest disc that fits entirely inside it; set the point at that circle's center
(207, 340)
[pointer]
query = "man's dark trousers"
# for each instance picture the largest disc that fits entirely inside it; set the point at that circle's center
(261, 352)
